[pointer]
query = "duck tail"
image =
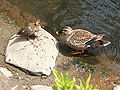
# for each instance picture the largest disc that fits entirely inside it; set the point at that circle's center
(104, 42)
(14, 36)
(98, 37)
(20, 31)
(100, 43)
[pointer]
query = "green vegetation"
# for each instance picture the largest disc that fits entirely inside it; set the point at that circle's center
(14, 22)
(5, 16)
(87, 86)
(87, 68)
(105, 75)
(63, 84)
(84, 66)
(91, 69)
(2, 10)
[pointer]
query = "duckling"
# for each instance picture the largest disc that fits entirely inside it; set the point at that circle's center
(30, 29)
(81, 40)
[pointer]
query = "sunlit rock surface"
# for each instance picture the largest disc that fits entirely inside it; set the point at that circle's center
(41, 87)
(6, 72)
(117, 87)
(35, 56)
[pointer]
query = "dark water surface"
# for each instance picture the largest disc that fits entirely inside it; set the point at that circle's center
(97, 16)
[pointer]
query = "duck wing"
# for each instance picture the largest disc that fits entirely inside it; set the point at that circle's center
(26, 30)
(78, 39)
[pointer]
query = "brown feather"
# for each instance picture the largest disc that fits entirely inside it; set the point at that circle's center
(78, 39)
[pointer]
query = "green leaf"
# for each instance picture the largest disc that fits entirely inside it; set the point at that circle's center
(55, 88)
(95, 87)
(67, 81)
(70, 84)
(62, 79)
(65, 77)
(64, 88)
(77, 87)
(90, 88)
(81, 83)
(87, 82)
(57, 83)
(57, 76)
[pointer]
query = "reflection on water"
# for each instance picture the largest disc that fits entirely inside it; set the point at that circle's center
(97, 16)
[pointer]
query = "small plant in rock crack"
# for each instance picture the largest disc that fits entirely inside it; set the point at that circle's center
(87, 86)
(62, 82)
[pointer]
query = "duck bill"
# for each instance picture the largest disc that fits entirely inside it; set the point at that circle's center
(57, 32)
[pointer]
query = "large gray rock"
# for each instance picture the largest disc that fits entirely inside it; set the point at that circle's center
(37, 56)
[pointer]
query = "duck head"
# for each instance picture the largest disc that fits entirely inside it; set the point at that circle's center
(38, 23)
(66, 31)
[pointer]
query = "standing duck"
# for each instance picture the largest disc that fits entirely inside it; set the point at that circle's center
(81, 40)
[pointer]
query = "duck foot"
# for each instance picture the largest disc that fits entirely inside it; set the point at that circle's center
(77, 52)
(32, 42)
(33, 36)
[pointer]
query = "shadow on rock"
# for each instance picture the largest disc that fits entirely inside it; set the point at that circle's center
(23, 38)
(19, 39)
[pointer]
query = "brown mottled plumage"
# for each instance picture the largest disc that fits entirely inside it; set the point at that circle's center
(30, 29)
(79, 39)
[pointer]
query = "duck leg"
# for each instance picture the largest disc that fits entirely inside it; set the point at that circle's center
(32, 42)
(77, 52)
(28, 38)
(31, 37)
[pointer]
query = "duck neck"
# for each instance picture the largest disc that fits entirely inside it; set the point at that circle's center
(67, 37)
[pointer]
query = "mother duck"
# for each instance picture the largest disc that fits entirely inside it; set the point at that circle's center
(81, 40)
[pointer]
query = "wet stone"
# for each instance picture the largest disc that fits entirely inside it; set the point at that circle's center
(35, 56)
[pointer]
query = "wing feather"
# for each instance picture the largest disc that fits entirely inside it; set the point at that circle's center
(79, 37)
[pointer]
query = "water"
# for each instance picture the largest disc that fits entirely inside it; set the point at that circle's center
(97, 16)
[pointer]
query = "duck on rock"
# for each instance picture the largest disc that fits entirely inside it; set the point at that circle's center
(81, 40)
(28, 31)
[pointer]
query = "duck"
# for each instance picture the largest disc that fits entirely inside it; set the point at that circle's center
(30, 29)
(80, 40)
